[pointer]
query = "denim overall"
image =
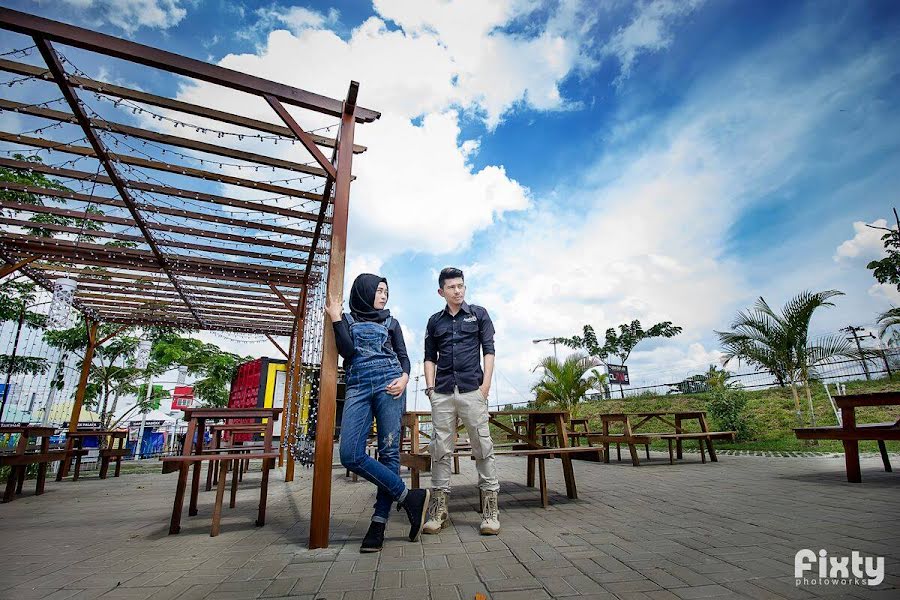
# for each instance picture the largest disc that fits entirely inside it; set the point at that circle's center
(373, 366)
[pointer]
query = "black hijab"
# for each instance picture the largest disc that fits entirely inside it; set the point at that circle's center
(362, 298)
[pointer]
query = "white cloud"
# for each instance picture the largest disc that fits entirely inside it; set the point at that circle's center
(130, 15)
(865, 244)
(443, 60)
(294, 18)
(649, 240)
(650, 30)
(886, 291)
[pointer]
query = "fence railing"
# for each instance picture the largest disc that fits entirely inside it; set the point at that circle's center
(885, 365)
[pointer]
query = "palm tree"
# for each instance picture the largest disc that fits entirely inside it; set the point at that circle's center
(566, 383)
(887, 320)
(779, 342)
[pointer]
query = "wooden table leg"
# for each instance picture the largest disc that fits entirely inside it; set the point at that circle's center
(220, 496)
(235, 478)
(532, 432)
(568, 469)
(20, 480)
(671, 454)
(884, 456)
(42, 468)
(10, 494)
(635, 459)
(542, 472)
(678, 429)
(118, 470)
(104, 466)
(41, 477)
(605, 430)
(77, 465)
(263, 494)
(851, 447)
(64, 467)
(175, 524)
(647, 450)
(704, 427)
(195, 478)
(702, 453)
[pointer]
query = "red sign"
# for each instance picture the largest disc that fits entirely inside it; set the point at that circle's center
(182, 397)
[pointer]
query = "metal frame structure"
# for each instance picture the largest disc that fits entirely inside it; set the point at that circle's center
(162, 254)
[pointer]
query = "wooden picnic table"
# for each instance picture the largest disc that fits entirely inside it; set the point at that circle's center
(112, 447)
(24, 455)
(535, 452)
(193, 453)
(850, 433)
(632, 421)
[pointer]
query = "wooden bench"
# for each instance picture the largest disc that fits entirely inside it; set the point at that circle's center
(183, 464)
(877, 432)
(646, 438)
(423, 462)
(19, 463)
(850, 433)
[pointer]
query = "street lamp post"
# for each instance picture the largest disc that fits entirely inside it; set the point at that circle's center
(552, 341)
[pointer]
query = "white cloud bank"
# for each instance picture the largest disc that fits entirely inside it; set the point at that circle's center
(865, 244)
(128, 15)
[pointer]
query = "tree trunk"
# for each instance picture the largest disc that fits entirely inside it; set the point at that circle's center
(799, 412)
(812, 412)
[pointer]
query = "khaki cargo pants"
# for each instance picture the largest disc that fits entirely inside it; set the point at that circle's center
(472, 409)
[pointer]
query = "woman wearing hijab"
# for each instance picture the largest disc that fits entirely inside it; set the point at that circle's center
(377, 366)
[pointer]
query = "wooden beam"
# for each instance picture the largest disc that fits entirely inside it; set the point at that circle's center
(277, 345)
(320, 516)
(136, 161)
(174, 63)
(10, 269)
(24, 165)
(305, 139)
(59, 74)
(140, 240)
(116, 91)
(85, 371)
(284, 300)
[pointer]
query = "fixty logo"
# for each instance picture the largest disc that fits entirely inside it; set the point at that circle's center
(837, 570)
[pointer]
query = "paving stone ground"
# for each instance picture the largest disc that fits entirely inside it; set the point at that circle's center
(720, 530)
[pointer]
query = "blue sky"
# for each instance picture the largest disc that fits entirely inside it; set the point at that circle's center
(585, 162)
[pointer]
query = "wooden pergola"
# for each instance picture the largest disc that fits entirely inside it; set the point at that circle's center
(160, 252)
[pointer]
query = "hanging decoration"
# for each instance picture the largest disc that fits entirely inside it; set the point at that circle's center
(142, 358)
(60, 314)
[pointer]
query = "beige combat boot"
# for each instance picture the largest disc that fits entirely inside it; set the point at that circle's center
(490, 514)
(438, 513)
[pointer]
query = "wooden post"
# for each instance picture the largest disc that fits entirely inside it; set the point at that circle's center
(292, 387)
(286, 402)
(321, 493)
(85, 371)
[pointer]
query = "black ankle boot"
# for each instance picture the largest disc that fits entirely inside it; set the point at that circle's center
(416, 506)
(374, 539)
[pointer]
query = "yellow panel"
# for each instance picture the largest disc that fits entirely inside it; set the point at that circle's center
(271, 375)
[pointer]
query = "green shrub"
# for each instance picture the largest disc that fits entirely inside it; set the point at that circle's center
(727, 408)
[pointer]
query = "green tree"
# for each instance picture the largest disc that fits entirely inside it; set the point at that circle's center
(565, 384)
(111, 373)
(619, 344)
(780, 344)
(887, 269)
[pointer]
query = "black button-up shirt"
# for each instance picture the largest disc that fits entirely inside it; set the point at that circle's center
(455, 344)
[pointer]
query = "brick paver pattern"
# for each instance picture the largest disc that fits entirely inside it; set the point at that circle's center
(720, 530)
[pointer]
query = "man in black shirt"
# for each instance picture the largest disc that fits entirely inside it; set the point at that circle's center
(458, 387)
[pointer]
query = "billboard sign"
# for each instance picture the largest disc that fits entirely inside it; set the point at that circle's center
(618, 374)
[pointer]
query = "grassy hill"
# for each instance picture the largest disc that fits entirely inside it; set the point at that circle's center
(770, 414)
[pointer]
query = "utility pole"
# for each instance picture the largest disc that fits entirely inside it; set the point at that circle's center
(853, 331)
